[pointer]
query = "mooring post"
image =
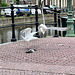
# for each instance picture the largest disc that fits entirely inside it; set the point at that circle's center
(55, 22)
(36, 16)
(59, 11)
(13, 25)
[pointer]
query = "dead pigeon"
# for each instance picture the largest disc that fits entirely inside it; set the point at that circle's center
(30, 51)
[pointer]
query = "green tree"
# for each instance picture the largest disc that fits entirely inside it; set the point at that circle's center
(4, 4)
(17, 1)
(0, 2)
(40, 3)
(0, 6)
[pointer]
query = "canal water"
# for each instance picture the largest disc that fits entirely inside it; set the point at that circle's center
(6, 33)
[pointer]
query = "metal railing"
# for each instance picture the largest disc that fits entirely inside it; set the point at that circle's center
(36, 18)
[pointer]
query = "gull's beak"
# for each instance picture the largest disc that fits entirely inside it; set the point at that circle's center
(42, 28)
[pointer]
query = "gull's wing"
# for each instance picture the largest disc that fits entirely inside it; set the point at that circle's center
(26, 39)
(23, 37)
(42, 28)
(23, 31)
(33, 33)
(59, 28)
(27, 31)
(29, 36)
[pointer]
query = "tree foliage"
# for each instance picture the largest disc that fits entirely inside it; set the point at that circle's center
(4, 4)
(17, 1)
(0, 2)
(0, 6)
(40, 3)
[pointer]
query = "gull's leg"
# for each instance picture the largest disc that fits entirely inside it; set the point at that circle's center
(30, 50)
(28, 45)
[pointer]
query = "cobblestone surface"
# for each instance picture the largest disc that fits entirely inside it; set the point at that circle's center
(52, 56)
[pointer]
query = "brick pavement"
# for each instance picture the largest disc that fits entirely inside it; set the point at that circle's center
(52, 56)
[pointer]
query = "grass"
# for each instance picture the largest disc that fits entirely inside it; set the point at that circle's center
(3, 17)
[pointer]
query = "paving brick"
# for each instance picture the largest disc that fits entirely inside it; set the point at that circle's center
(52, 56)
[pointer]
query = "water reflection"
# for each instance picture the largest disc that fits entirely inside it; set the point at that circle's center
(6, 33)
